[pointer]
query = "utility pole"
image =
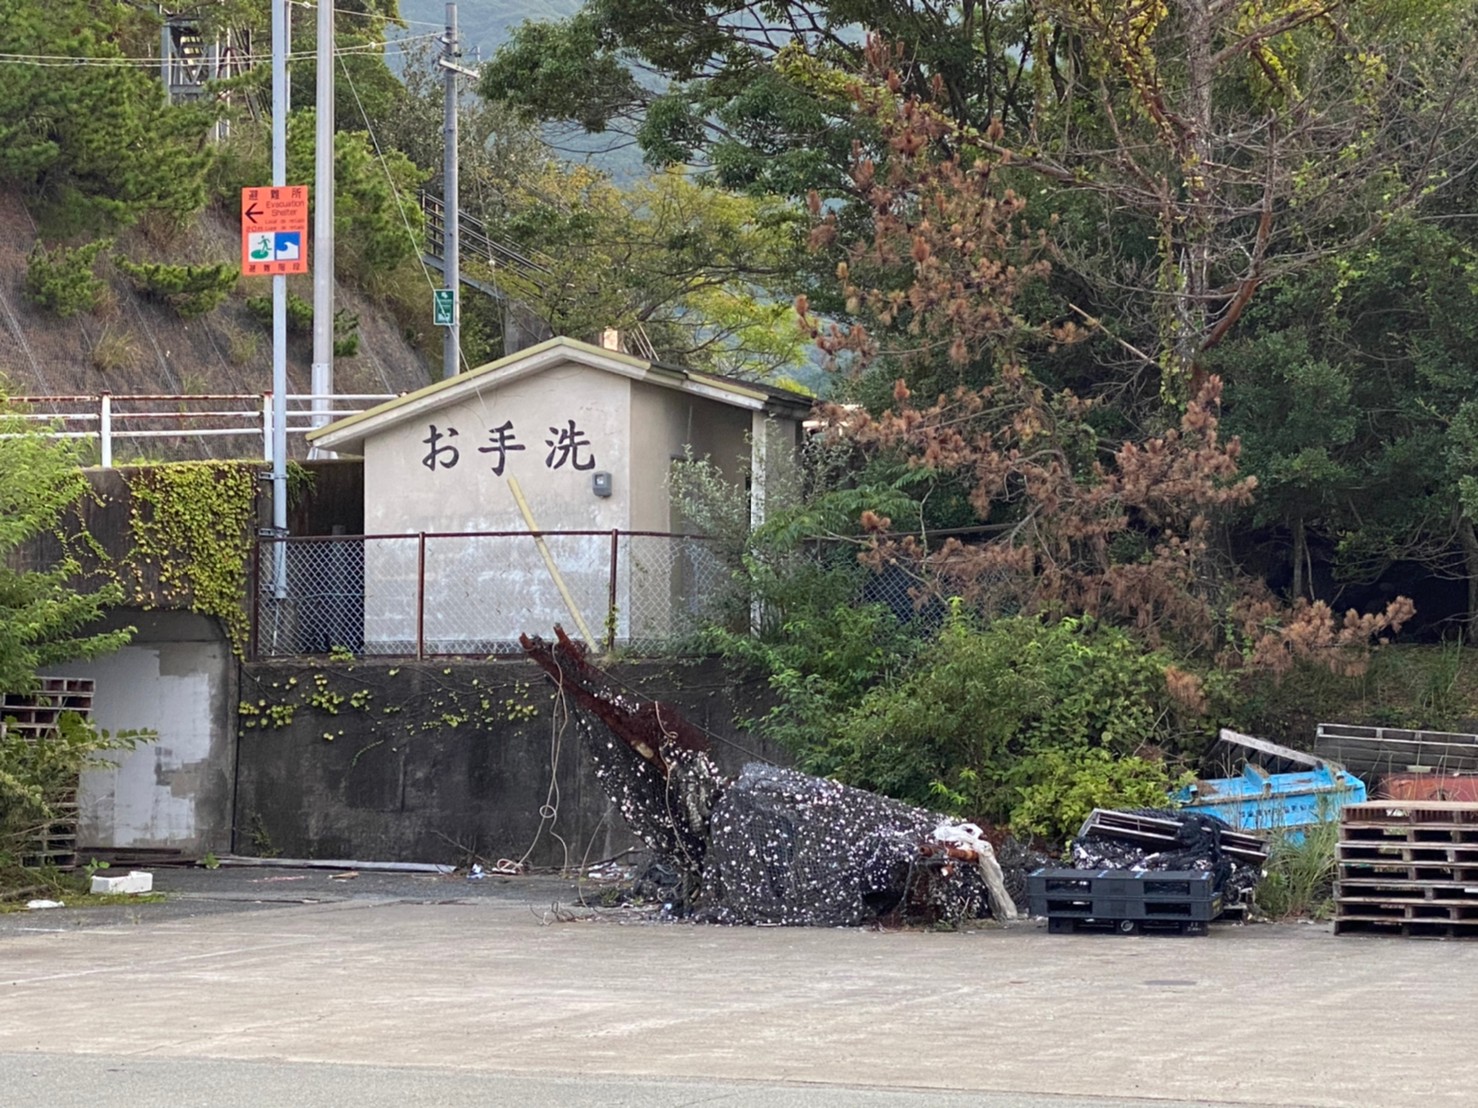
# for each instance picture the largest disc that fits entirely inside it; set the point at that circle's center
(279, 305)
(323, 222)
(451, 251)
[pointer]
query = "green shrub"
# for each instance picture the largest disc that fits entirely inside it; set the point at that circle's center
(299, 312)
(346, 334)
(191, 290)
(63, 280)
(300, 321)
(985, 718)
(1066, 786)
(37, 776)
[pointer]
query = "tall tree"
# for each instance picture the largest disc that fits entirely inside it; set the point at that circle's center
(1196, 149)
(1246, 139)
(1073, 525)
(703, 272)
(1354, 396)
(94, 143)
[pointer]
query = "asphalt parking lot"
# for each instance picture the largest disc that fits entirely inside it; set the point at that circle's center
(396, 989)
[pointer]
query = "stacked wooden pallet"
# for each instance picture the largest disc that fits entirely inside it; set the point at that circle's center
(35, 716)
(1409, 868)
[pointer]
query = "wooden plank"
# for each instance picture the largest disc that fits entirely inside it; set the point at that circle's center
(1429, 929)
(1454, 853)
(1386, 889)
(1415, 876)
(1469, 904)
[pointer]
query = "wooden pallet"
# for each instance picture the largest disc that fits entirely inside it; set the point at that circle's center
(1408, 868)
(35, 715)
(1398, 888)
(1417, 929)
(1399, 813)
(1400, 873)
(1439, 851)
(1378, 908)
(56, 845)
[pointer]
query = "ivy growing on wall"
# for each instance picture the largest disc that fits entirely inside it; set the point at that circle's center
(374, 705)
(191, 524)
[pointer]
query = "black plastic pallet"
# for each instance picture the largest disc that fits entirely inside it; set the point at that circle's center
(1059, 925)
(1125, 895)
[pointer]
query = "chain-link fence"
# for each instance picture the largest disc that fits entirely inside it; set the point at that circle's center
(474, 594)
(670, 583)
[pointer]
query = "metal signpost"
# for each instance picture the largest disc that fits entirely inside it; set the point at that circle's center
(274, 238)
(323, 223)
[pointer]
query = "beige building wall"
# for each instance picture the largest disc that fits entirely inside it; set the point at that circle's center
(481, 591)
(663, 422)
(659, 578)
(405, 494)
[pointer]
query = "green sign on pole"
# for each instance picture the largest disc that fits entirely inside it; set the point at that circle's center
(444, 303)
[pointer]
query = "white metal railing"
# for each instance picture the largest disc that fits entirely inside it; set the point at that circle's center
(109, 418)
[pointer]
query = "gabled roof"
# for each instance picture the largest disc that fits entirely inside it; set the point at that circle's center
(348, 435)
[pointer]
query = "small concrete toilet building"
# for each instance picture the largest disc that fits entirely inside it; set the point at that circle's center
(534, 490)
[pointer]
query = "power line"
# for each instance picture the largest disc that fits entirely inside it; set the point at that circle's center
(389, 177)
(371, 15)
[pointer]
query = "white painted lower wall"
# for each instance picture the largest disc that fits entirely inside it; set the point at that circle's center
(177, 679)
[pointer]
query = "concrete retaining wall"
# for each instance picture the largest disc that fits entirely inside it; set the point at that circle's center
(427, 762)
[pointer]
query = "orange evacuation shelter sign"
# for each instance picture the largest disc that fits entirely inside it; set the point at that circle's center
(274, 230)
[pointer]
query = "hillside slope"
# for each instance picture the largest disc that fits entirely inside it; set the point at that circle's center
(130, 345)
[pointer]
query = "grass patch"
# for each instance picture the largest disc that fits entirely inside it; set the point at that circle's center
(1300, 875)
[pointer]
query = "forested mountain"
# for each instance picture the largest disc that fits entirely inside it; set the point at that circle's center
(1273, 194)
(485, 24)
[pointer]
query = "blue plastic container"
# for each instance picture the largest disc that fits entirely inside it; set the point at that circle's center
(1275, 803)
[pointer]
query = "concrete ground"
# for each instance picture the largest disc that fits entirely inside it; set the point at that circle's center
(382, 991)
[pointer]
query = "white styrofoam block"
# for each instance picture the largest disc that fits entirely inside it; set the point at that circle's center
(135, 881)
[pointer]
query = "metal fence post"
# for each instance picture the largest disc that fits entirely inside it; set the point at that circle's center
(612, 615)
(267, 427)
(254, 599)
(421, 598)
(105, 428)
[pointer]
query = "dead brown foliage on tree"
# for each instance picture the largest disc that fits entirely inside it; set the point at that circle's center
(1077, 526)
